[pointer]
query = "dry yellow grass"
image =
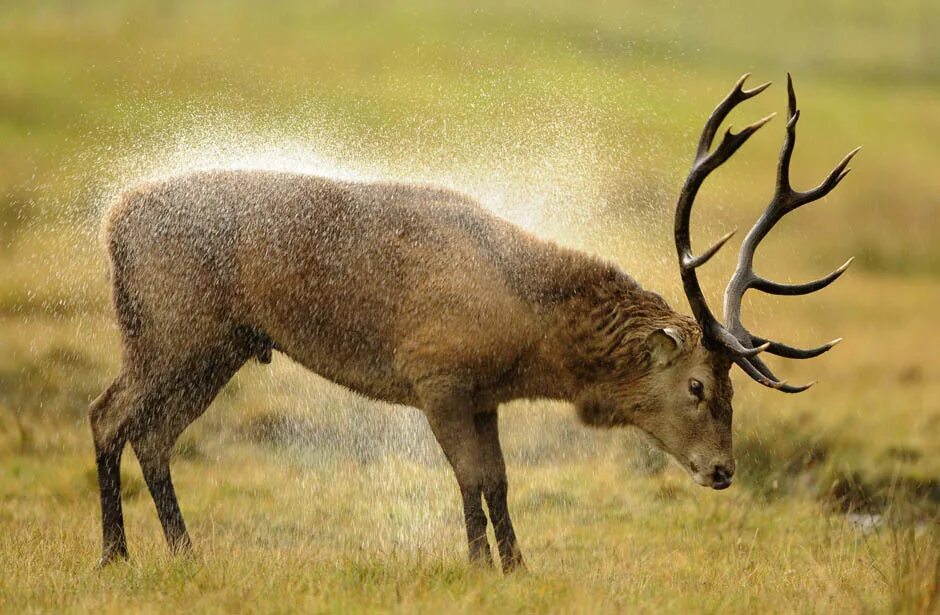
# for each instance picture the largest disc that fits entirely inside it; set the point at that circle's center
(278, 534)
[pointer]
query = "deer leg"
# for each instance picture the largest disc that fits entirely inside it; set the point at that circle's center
(108, 417)
(185, 397)
(113, 539)
(495, 488)
(451, 421)
(459, 444)
(156, 470)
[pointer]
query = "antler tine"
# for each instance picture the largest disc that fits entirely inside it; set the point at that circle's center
(734, 346)
(736, 96)
(832, 180)
(758, 370)
(775, 288)
(732, 141)
(793, 116)
(789, 352)
(697, 261)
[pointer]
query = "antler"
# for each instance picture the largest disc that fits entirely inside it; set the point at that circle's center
(732, 337)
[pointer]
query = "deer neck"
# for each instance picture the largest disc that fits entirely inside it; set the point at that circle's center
(596, 335)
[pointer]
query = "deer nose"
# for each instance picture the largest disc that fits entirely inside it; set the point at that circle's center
(721, 477)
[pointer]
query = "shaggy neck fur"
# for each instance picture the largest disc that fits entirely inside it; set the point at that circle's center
(599, 336)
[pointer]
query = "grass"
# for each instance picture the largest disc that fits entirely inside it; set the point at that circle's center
(275, 532)
(575, 120)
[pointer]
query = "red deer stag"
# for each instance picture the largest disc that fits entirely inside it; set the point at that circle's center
(417, 295)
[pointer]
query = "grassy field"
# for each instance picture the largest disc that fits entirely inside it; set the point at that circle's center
(575, 120)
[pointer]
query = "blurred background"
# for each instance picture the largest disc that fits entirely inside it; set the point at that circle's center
(577, 121)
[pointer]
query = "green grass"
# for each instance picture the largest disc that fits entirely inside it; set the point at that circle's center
(577, 120)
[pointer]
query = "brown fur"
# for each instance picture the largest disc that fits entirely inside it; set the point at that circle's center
(408, 294)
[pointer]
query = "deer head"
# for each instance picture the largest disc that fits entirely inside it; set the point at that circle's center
(689, 374)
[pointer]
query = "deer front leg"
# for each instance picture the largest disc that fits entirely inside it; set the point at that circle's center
(495, 489)
(452, 422)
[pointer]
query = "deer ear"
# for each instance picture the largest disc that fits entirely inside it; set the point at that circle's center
(664, 345)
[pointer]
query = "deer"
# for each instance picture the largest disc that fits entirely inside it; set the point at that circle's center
(417, 295)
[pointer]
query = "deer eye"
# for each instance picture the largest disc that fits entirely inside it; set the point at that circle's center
(696, 388)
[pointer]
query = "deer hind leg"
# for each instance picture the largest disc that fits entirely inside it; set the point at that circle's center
(183, 398)
(118, 415)
(109, 415)
(156, 469)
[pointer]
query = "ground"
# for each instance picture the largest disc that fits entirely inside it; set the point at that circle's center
(577, 122)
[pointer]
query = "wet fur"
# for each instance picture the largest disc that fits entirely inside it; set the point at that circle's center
(408, 294)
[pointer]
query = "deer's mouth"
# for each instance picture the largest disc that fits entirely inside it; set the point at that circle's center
(719, 478)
